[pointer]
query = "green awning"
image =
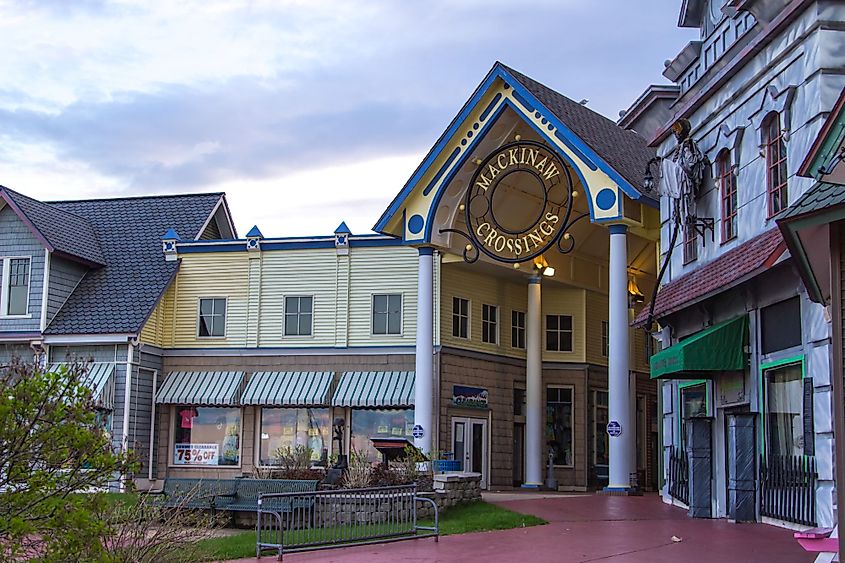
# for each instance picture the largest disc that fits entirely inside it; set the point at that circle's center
(375, 389)
(99, 378)
(208, 388)
(718, 348)
(288, 388)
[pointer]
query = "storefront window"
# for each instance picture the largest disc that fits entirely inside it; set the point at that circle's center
(559, 423)
(288, 428)
(601, 446)
(368, 424)
(784, 410)
(693, 404)
(207, 436)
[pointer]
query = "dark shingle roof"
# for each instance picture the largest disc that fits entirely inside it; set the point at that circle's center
(624, 150)
(58, 229)
(119, 297)
(715, 276)
(821, 196)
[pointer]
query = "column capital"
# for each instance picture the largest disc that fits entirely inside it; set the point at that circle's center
(426, 250)
(535, 278)
(618, 229)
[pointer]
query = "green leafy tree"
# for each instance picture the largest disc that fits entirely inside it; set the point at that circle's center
(54, 458)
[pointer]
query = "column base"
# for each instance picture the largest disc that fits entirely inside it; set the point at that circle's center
(533, 486)
(621, 492)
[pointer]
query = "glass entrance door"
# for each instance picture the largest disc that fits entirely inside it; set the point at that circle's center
(469, 442)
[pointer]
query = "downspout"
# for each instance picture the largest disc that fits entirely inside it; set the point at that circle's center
(127, 394)
(152, 427)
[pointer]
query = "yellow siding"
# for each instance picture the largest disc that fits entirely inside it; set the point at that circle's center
(559, 301)
(382, 270)
(224, 274)
(596, 314)
(288, 273)
(157, 331)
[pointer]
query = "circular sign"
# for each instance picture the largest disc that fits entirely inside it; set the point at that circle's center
(614, 429)
(519, 201)
(418, 431)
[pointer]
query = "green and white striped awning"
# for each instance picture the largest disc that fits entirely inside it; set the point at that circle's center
(99, 377)
(288, 388)
(208, 388)
(375, 389)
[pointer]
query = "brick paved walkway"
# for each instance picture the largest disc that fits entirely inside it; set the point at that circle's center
(587, 528)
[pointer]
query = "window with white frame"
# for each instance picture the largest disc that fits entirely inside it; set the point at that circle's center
(559, 424)
(16, 275)
(605, 327)
(387, 313)
(559, 333)
(489, 324)
(299, 313)
(518, 329)
(212, 317)
(460, 317)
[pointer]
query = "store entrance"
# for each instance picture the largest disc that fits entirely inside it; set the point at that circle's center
(469, 442)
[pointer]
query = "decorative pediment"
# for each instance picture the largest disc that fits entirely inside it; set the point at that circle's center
(487, 121)
(778, 101)
(730, 138)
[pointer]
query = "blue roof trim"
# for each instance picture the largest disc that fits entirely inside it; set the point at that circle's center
(436, 149)
(198, 247)
(254, 232)
(563, 133)
(486, 128)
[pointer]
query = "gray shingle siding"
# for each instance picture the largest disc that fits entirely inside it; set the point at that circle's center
(17, 240)
(65, 275)
(142, 401)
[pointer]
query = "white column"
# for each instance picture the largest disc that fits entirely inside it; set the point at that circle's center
(424, 379)
(533, 386)
(622, 447)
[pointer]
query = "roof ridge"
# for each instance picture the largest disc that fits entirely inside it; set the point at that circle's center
(124, 198)
(49, 203)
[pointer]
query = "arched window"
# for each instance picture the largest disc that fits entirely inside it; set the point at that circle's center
(776, 173)
(726, 179)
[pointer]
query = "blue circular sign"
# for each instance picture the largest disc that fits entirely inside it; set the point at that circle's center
(614, 429)
(418, 431)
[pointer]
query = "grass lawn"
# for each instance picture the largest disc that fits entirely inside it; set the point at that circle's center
(475, 517)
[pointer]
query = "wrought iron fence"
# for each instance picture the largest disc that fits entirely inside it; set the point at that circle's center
(679, 475)
(788, 488)
(287, 522)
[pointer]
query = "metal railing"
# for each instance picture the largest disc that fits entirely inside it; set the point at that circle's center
(288, 522)
(679, 475)
(788, 488)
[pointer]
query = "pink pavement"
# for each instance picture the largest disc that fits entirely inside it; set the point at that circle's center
(586, 528)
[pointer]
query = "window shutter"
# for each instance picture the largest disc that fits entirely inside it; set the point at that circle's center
(809, 432)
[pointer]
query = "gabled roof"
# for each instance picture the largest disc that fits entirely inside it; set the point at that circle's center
(716, 276)
(624, 150)
(118, 298)
(828, 141)
(58, 230)
(821, 197)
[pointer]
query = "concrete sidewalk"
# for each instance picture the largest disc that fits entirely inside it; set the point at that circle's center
(586, 528)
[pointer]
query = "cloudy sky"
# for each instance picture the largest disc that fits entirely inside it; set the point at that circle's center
(306, 112)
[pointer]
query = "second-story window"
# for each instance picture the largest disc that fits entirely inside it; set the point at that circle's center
(387, 313)
(489, 324)
(299, 313)
(604, 338)
(212, 318)
(726, 177)
(776, 172)
(460, 317)
(518, 329)
(690, 243)
(559, 333)
(17, 288)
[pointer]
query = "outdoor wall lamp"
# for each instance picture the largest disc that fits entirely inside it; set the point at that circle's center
(634, 294)
(542, 266)
(648, 178)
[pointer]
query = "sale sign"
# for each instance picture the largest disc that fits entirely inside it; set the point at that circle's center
(195, 454)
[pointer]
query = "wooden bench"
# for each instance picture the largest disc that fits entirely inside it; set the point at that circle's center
(228, 494)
